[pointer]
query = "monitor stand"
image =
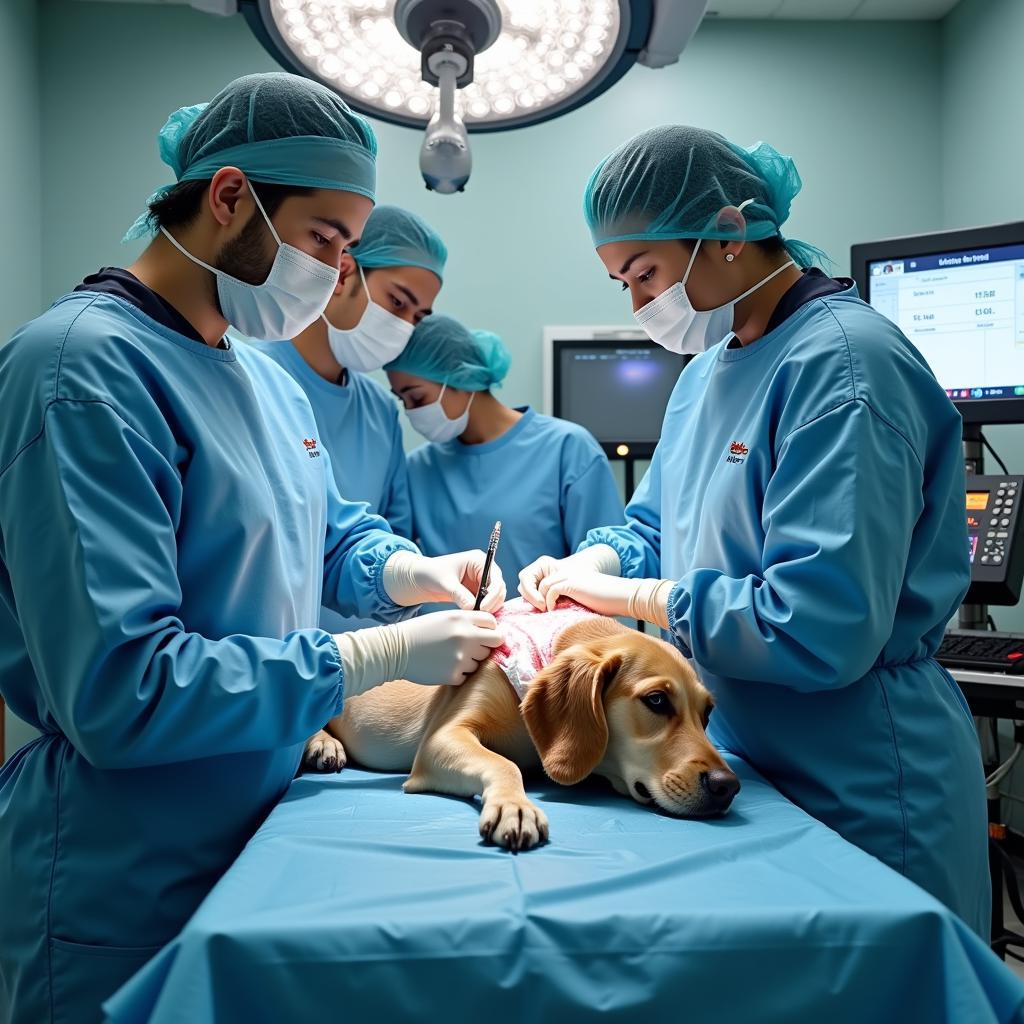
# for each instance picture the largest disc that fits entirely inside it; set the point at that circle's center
(630, 474)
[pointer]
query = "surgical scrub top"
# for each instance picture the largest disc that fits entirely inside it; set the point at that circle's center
(358, 424)
(808, 496)
(546, 479)
(169, 529)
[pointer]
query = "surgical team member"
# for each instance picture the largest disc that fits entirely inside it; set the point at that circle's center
(387, 284)
(547, 480)
(800, 533)
(170, 528)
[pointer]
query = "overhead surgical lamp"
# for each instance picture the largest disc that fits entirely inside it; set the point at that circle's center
(455, 67)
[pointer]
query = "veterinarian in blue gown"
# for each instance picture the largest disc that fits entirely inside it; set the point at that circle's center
(800, 533)
(169, 527)
(388, 283)
(546, 479)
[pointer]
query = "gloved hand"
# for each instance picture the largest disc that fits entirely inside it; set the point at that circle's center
(599, 558)
(438, 649)
(646, 600)
(411, 579)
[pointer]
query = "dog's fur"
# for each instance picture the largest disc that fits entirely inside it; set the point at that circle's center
(593, 709)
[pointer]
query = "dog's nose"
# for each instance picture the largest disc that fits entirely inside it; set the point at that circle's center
(720, 785)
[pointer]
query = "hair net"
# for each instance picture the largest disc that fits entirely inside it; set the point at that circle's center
(278, 128)
(394, 237)
(442, 350)
(672, 181)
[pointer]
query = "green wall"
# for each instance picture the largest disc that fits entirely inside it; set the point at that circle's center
(20, 291)
(983, 113)
(19, 165)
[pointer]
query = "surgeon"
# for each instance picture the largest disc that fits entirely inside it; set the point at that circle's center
(800, 534)
(170, 529)
(545, 479)
(387, 284)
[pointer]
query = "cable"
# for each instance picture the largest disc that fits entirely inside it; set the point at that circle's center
(1005, 768)
(992, 624)
(995, 454)
(995, 738)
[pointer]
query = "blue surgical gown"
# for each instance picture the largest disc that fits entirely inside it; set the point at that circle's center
(808, 495)
(169, 528)
(359, 427)
(546, 479)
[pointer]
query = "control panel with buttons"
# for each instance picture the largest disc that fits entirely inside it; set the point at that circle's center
(993, 532)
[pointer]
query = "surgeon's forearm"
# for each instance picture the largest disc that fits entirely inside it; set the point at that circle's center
(353, 579)
(649, 602)
(370, 657)
(399, 578)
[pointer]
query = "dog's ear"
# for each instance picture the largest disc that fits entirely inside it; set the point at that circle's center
(564, 712)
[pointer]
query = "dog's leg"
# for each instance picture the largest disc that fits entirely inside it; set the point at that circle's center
(453, 760)
(323, 753)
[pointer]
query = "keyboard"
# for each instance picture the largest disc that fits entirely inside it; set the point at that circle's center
(983, 651)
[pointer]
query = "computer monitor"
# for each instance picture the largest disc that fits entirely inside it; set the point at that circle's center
(615, 382)
(959, 297)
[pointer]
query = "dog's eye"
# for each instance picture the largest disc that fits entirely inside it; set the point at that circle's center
(657, 702)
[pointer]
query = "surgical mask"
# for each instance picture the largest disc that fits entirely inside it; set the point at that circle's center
(295, 293)
(433, 423)
(671, 321)
(379, 337)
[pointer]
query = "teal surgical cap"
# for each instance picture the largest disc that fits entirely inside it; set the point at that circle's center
(673, 181)
(443, 350)
(393, 237)
(277, 128)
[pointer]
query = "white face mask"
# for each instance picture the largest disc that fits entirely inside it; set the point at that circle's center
(379, 337)
(432, 421)
(671, 321)
(295, 293)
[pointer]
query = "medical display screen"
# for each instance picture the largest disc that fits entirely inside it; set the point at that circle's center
(618, 393)
(977, 501)
(964, 311)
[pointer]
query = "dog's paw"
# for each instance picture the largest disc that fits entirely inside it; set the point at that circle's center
(323, 754)
(513, 822)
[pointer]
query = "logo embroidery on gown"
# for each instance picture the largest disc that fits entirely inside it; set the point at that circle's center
(738, 452)
(311, 448)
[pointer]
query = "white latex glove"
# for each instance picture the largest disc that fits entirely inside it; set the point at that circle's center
(411, 579)
(646, 600)
(440, 649)
(600, 558)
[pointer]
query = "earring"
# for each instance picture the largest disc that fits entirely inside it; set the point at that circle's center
(729, 257)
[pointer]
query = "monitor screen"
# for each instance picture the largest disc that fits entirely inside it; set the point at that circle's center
(964, 311)
(617, 390)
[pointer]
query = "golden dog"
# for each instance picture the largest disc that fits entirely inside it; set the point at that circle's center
(611, 701)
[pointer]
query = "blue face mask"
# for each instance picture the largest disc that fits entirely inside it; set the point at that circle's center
(295, 293)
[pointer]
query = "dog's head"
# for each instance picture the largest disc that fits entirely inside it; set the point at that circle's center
(629, 707)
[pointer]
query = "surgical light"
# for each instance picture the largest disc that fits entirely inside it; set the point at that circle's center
(460, 66)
